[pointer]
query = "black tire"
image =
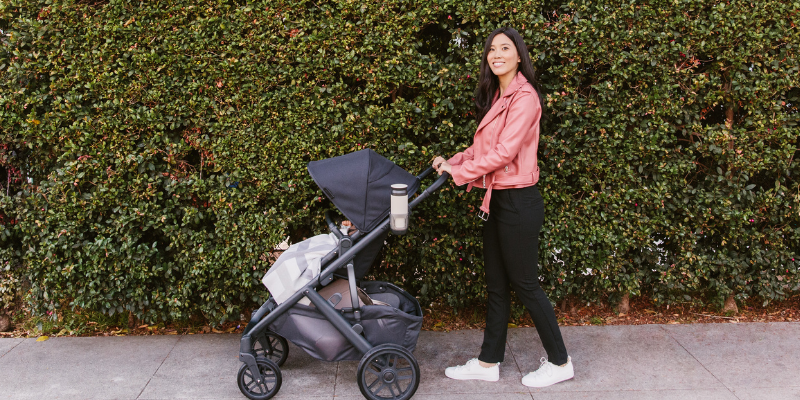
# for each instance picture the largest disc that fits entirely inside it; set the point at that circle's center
(271, 384)
(388, 372)
(277, 349)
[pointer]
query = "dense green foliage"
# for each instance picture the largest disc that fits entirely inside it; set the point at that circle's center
(155, 152)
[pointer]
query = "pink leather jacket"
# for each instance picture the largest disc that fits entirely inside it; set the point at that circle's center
(503, 152)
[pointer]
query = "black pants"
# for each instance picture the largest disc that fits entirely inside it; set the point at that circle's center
(511, 257)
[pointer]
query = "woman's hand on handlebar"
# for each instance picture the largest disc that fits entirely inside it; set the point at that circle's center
(441, 165)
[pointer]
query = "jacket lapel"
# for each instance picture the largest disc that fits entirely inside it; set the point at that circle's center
(492, 114)
(497, 107)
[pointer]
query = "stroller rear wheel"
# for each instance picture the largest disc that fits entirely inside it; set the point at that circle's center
(276, 349)
(388, 372)
(270, 380)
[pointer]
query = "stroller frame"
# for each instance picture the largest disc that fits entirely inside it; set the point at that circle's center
(339, 257)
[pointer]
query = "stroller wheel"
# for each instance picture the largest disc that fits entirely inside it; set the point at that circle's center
(276, 349)
(388, 371)
(270, 380)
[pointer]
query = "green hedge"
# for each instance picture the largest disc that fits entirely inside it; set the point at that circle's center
(156, 152)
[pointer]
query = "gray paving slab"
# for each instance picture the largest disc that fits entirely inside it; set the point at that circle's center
(707, 362)
(305, 376)
(749, 355)
(436, 351)
(499, 394)
(791, 393)
(458, 396)
(439, 350)
(346, 383)
(693, 394)
(207, 366)
(7, 344)
(198, 367)
(281, 396)
(83, 368)
(475, 396)
(616, 358)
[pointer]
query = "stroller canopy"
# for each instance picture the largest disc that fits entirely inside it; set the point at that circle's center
(359, 185)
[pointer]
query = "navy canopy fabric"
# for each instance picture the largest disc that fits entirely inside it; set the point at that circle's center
(359, 185)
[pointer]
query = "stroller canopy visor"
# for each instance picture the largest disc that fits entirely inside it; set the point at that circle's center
(359, 185)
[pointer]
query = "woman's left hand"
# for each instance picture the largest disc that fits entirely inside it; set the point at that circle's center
(441, 165)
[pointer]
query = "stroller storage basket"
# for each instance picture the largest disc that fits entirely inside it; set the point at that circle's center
(399, 323)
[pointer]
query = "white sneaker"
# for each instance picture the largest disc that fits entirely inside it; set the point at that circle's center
(473, 370)
(549, 374)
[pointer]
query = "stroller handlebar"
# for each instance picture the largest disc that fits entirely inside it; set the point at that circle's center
(430, 189)
(425, 173)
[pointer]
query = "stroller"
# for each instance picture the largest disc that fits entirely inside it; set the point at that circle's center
(336, 316)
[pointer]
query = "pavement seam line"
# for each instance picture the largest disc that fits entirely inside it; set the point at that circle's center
(514, 357)
(698, 361)
(159, 366)
(336, 378)
(12, 348)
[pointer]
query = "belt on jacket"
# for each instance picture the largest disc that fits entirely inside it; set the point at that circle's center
(484, 210)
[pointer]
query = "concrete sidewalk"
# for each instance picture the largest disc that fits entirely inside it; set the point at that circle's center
(698, 361)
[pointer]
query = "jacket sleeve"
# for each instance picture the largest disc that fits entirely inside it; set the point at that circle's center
(460, 157)
(522, 117)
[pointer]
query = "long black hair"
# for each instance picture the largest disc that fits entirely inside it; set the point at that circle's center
(488, 83)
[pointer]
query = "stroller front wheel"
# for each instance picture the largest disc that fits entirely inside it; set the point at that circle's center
(272, 346)
(388, 371)
(270, 382)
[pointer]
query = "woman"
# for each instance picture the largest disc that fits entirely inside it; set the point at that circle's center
(502, 159)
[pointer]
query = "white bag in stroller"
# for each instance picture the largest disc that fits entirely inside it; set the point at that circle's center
(297, 266)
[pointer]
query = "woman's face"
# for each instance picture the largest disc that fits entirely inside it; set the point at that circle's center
(503, 58)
